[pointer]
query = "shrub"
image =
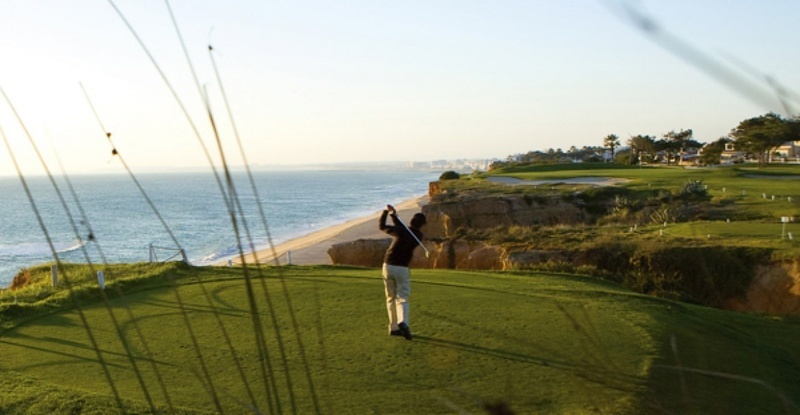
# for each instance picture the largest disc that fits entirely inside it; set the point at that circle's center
(449, 175)
(621, 203)
(703, 275)
(662, 216)
(693, 189)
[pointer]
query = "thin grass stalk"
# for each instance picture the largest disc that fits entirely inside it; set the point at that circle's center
(107, 303)
(76, 232)
(92, 236)
(262, 216)
(689, 53)
(205, 151)
(204, 370)
(232, 199)
(257, 325)
(127, 307)
(60, 267)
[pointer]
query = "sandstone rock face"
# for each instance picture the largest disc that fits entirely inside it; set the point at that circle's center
(775, 290)
(462, 254)
(457, 254)
(445, 218)
(361, 252)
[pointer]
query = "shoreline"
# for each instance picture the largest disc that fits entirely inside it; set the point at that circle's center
(312, 249)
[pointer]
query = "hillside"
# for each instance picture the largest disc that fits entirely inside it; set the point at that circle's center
(713, 236)
(531, 342)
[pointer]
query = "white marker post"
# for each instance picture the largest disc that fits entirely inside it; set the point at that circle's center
(101, 280)
(784, 221)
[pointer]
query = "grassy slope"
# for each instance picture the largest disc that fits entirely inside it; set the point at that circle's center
(542, 343)
(748, 191)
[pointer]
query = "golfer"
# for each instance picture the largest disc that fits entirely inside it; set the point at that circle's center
(396, 276)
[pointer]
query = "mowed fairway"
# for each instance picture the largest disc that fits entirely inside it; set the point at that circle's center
(538, 343)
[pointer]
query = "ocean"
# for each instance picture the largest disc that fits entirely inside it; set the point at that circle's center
(124, 225)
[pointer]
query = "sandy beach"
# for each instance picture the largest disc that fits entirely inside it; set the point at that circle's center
(312, 249)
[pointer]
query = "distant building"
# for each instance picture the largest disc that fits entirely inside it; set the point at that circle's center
(458, 165)
(731, 155)
(689, 157)
(788, 151)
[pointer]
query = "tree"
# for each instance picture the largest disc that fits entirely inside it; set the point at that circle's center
(674, 143)
(611, 141)
(669, 148)
(641, 147)
(760, 135)
(712, 152)
(623, 157)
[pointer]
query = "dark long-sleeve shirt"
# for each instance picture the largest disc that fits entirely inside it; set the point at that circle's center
(401, 250)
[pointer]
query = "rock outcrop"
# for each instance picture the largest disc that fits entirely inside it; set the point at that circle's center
(456, 254)
(775, 290)
(360, 253)
(445, 218)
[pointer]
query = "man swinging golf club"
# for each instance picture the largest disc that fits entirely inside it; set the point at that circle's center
(396, 275)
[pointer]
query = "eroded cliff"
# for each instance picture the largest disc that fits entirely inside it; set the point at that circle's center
(773, 287)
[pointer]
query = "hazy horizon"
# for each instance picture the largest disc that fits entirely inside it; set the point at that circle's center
(317, 83)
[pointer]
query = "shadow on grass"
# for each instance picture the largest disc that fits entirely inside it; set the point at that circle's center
(582, 369)
(503, 354)
(55, 351)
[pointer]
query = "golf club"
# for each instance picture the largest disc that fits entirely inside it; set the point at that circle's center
(427, 254)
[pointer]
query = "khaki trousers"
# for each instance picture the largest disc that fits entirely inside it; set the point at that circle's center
(397, 282)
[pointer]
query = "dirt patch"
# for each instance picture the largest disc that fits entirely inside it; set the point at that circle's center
(22, 279)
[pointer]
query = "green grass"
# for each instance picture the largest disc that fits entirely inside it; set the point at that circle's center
(754, 199)
(541, 343)
(770, 233)
(780, 180)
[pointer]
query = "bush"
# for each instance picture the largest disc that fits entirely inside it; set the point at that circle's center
(706, 275)
(702, 275)
(693, 189)
(449, 175)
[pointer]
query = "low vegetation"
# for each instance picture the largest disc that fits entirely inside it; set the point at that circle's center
(449, 175)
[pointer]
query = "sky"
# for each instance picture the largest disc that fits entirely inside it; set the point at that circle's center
(375, 81)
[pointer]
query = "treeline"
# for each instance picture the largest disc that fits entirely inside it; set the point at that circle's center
(753, 139)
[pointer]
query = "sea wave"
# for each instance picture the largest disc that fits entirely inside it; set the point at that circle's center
(38, 249)
(295, 203)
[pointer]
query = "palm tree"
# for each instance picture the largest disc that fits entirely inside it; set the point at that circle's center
(611, 141)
